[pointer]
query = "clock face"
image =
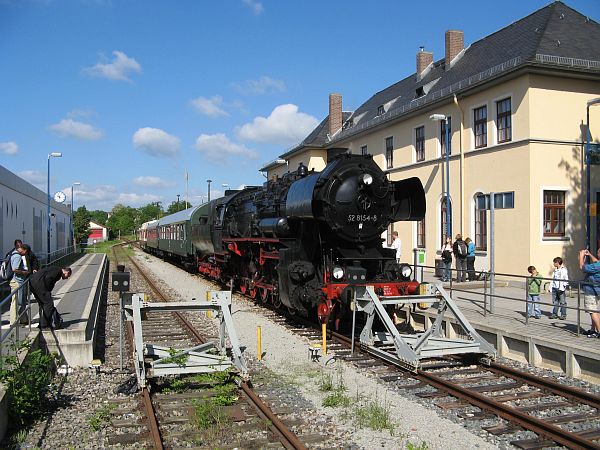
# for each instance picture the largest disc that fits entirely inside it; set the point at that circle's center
(60, 196)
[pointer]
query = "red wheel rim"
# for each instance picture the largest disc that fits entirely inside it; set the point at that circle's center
(243, 287)
(253, 292)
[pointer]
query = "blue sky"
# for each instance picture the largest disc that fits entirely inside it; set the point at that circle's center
(136, 93)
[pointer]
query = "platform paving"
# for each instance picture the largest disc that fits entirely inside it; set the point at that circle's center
(545, 342)
(77, 299)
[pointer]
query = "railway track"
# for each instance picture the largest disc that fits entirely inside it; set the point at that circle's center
(556, 414)
(168, 415)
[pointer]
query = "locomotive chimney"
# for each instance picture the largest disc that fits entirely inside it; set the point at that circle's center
(455, 43)
(335, 113)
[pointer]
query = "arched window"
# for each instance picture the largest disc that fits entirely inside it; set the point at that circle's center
(446, 210)
(480, 216)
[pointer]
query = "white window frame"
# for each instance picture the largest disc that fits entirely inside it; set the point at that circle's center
(568, 215)
(495, 101)
(472, 125)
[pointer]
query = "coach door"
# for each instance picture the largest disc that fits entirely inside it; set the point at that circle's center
(218, 228)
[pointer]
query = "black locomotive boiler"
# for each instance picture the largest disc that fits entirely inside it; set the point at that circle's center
(293, 240)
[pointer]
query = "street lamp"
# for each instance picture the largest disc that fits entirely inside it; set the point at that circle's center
(444, 119)
(50, 155)
(209, 181)
(588, 157)
(178, 195)
(76, 183)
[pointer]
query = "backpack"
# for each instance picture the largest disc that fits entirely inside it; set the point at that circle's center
(446, 256)
(462, 249)
(6, 271)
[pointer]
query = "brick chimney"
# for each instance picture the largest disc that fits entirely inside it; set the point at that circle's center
(423, 60)
(335, 113)
(455, 43)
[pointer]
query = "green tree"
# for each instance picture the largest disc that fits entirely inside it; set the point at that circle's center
(149, 212)
(122, 220)
(177, 206)
(81, 224)
(99, 217)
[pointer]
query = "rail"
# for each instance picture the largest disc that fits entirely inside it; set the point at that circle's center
(484, 292)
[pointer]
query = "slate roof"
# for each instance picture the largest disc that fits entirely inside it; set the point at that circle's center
(540, 39)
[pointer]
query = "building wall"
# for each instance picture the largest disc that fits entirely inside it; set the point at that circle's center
(545, 151)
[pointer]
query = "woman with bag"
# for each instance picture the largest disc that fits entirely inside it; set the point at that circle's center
(447, 260)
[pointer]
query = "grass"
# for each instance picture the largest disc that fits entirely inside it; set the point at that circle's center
(101, 416)
(422, 446)
(336, 399)
(337, 388)
(375, 416)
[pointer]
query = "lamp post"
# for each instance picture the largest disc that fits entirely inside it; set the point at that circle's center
(178, 195)
(76, 183)
(209, 181)
(442, 118)
(50, 155)
(591, 102)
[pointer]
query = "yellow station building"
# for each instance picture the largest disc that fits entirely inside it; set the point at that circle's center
(516, 104)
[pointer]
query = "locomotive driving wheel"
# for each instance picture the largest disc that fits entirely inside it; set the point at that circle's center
(243, 287)
(253, 291)
(264, 295)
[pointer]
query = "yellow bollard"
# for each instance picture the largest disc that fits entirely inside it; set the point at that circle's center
(324, 331)
(208, 297)
(259, 344)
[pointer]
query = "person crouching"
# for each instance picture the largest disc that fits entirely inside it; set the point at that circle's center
(42, 283)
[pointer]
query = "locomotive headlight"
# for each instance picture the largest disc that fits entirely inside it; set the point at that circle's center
(366, 179)
(406, 271)
(338, 273)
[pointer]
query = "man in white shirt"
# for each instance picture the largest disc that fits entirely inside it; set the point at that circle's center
(560, 281)
(396, 245)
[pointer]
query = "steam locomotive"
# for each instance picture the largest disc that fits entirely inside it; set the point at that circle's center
(294, 240)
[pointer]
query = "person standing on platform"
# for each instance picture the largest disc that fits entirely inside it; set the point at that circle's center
(533, 293)
(396, 245)
(447, 259)
(42, 282)
(460, 254)
(560, 278)
(470, 259)
(591, 290)
(20, 269)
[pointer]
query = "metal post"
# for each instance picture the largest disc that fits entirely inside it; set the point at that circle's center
(579, 309)
(121, 331)
(48, 230)
(492, 253)
(353, 321)
(485, 278)
(527, 301)
(209, 181)
(448, 226)
(587, 167)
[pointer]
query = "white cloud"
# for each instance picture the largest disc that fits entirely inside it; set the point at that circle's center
(264, 85)
(156, 142)
(79, 130)
(255, 7)
(151, 181)
(9, 148)
(284, 126)
(119, 69)
(210, 107)
(218, 147)
(106, 196)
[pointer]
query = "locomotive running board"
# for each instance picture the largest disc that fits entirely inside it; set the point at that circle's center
(154, 360)
(407, 350)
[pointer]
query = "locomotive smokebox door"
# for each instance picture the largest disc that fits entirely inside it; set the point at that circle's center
(356, 275)
(120, 281)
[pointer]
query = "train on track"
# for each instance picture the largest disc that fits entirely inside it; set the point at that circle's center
(294, 240)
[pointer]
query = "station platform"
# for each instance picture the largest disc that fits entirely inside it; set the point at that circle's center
(78, 300)
(546, 343)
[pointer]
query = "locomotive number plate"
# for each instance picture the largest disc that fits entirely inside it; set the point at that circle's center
(362, 217)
